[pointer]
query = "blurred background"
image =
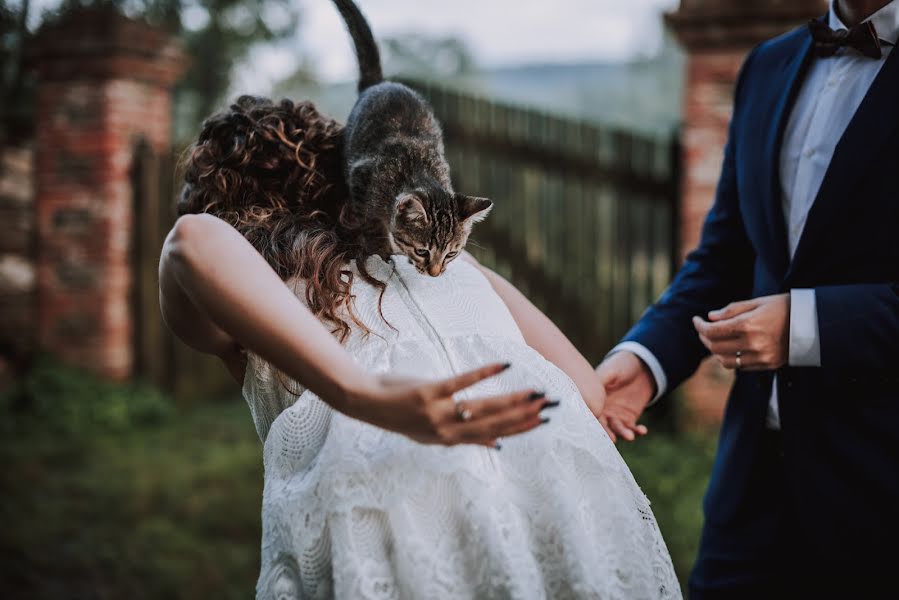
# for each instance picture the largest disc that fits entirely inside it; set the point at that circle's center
(130, 465)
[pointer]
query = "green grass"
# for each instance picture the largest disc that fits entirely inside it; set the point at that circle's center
(150, 504)
(112, 492)
(673, 471)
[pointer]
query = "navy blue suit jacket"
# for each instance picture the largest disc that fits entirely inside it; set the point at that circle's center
(840, 422)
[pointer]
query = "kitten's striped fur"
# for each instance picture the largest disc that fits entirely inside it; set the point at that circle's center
(395, 167)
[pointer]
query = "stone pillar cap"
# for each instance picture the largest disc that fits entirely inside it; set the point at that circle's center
(101, 43)
(737, 23)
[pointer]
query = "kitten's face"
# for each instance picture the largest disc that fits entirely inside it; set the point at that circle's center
(431, 226)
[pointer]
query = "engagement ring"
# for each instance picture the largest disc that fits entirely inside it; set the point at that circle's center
(461, 412)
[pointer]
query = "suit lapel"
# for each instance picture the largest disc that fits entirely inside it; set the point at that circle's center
(787, 86)
(870, 128)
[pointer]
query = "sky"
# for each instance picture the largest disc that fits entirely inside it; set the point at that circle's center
(499, 32)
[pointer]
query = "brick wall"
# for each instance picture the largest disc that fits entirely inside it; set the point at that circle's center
(104, 82)
(707, 109)
(717, 35)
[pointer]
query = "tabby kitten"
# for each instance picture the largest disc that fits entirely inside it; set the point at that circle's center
(395, 167)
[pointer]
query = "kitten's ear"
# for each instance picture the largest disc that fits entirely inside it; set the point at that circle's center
(410, 210)
(473, 208)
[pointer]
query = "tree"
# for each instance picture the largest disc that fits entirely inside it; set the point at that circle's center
(217, 34)
(417, 55)
(14, 90)
(232, 28)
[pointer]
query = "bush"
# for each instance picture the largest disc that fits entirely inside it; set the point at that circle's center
(673, 470)
(55, 399)
(110, 491)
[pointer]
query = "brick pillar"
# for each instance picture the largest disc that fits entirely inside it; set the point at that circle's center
(103, 82)
(717, 34)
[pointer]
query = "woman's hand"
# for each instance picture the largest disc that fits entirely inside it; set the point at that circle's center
(629, 387)
(595, 398)
(542, 335)
(427, 413)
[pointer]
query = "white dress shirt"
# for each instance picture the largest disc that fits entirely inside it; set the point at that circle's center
(832, 91)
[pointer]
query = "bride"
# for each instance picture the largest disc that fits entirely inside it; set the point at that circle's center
(422, 437)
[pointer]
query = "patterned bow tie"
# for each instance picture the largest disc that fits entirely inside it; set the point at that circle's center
(862, 37)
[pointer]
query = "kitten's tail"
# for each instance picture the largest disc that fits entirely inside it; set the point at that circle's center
(366, 49)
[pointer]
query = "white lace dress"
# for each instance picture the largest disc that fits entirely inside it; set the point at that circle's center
(352, 511)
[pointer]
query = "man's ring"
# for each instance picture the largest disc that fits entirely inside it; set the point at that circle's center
(462, 413)
(739, 359)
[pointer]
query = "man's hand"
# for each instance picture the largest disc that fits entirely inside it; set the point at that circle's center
(629, 387)
(758, 329)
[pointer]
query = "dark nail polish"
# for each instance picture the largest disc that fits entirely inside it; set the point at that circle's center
(551, 404)
(544, 420)
(536, 396)
(506, 366)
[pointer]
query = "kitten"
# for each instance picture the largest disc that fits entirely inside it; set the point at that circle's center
(395, 167)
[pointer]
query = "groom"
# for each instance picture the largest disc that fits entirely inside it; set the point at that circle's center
(795, 284)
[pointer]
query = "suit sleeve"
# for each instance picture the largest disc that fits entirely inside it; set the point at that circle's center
(717, 272)
(858, 326)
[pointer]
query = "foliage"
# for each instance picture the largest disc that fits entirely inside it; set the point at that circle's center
(420, 55)
(137, 507)
(16, 88)
(165, 503)
(217, 34)
(673, 470)
(233, 28)
(65, 401)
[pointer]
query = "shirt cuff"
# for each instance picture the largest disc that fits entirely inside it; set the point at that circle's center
(805, 344)
(651, 362)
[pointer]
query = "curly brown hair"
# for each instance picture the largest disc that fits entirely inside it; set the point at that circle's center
(274, 172)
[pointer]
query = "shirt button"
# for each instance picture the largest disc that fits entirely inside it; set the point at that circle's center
(831, 82)
(809, 153)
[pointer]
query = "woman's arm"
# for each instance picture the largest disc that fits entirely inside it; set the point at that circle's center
(187, 321)
(219, 294)
(542, 335)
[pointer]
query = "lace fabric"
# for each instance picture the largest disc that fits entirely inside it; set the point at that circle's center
(354, 511)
